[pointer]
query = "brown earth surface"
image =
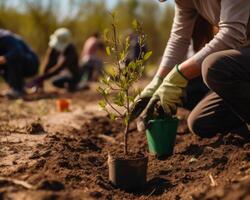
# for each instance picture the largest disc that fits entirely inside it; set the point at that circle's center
(47, 155)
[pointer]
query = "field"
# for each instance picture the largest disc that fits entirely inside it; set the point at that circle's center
(46, 154)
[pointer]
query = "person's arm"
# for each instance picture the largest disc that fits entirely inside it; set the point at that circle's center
(181, 33)
(50, 60)
(175, 52)
(38, 81)
(2, 60)
(55, 69)
(232, 35)
(82, 54)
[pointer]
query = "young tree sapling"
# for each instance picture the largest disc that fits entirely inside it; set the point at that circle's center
(117, 85)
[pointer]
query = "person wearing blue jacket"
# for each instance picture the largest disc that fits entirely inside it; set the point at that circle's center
(17, 61)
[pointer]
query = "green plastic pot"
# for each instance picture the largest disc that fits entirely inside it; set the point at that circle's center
(161, 135)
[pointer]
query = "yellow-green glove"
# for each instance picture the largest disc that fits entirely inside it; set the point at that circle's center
(171, 91)
(168, 94)
(145, 96)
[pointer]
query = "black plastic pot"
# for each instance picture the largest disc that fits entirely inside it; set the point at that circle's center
(129, 175)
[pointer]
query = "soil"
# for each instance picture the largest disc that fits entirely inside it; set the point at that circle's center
(64, 156)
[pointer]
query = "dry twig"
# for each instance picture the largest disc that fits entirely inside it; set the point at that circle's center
(17, 182)
(213, 182)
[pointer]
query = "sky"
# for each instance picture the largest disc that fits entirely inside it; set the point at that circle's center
(111, 3)
(65, 3)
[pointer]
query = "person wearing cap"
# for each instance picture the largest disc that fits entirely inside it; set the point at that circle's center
(61, 62)
(223, 63)
(17, 62)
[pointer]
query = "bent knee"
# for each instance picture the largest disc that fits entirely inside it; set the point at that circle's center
(210, 63)
(198, 126)
(216, 68)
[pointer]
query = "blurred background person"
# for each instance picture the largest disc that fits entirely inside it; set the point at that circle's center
(135, 50)
(17, 62)
(91, 62)
(60, 63)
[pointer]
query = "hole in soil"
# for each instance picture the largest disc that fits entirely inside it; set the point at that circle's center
(158, 185)
(50, 185)
(87, 144)
(216, 162)
(34, 128)
(96, 194)
(193, 150)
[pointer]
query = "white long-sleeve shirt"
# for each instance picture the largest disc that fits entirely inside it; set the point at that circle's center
(231, 16)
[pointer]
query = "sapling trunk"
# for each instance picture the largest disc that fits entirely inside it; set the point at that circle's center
(127, 124)
(126, 139)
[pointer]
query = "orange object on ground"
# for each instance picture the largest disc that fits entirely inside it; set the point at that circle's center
(62, 105)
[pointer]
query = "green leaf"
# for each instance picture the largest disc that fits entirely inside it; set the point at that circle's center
(113, 14)
(147, 55)
(103, 91)
(112, 116)
(135, 24)
(105, 34)
(106, 80)
(102, 104)
(122, 55)
(127, 43)
(100, 90)
(131, 99)
(103, 80)
(108, 51)
(126, 120)
(119, 99)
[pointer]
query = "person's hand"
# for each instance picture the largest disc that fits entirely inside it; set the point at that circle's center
(145, 96)
(35, 83)
(168, 95)
(2, 60)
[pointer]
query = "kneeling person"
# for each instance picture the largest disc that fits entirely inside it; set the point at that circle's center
(61, 62)
(17, 62)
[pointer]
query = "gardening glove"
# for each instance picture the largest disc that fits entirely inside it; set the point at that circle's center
(142, 100)
(168, 95)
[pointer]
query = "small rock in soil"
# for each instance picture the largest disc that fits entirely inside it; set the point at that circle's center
(34, 128)
(96, 194)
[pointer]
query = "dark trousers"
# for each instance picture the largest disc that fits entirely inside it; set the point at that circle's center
(227, 74)
(87, 72)
(195, 92)
(14, 71)
(88, 67)
(69, 82)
